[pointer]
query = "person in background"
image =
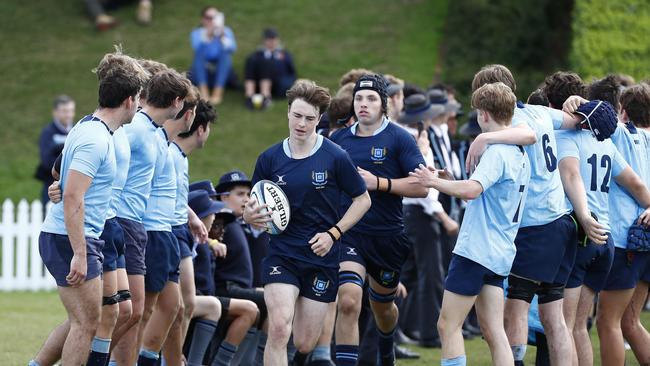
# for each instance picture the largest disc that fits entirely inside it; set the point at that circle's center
(97, 11)
(269, 70)
(213, 44)
(50, 144)
(395, 91)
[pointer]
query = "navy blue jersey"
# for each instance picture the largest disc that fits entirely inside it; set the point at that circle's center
(315, 186)
(390, 153)
(236, 266)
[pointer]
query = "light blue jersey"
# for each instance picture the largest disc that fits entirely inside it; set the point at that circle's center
(623, 208)
(122, 157)
(182, 183)
(599, 162)
(141, 133)
(88, 150)
(545, 202)
(487, 234)
(162, 201)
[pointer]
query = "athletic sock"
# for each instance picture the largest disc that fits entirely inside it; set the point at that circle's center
(99, 349)
(259, 354)
(203, 331)
(243, 355)
(224, 355)
(33, 363)
(291, 349)
(456, 361)
(387, 348)
(346, 354)
(321, 353)
(112, 363)
(147, 358)
(519, 352)
(299, 358)
(519, 363)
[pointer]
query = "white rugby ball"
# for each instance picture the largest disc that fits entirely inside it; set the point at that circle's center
(268, 193)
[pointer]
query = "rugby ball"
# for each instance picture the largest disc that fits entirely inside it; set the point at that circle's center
(268, 193)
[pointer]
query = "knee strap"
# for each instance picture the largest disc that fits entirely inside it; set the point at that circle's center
(123, 295)
(350, 277)
(110, 300)
(549, 292)
(382, 298)
(521, 288)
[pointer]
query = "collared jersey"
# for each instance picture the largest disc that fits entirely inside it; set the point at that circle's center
(487, 234)
(545, 202)
(599, 162)
(88, 150)
(390, 153)
(314, 186)
(162, 201)
(122, 157)
(181, 167)
(141, 133)
(634, 145)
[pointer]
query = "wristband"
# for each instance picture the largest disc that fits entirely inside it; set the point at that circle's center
(339, 230)
(390, 185)
(331, 235)
(377, 183)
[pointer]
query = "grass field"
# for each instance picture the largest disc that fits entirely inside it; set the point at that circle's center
(50, 48)
(27, 317)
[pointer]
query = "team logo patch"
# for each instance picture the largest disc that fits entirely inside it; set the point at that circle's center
(366, 84)
(320, 286)
(280, 180)
(234, 177)
(386, 277)
(319, 179)
(275, 270)
(378, 154)
(351, 251)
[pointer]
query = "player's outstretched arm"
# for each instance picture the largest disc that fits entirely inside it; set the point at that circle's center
(73, 212)
(405, 187)
(570, 120)
(635, 185)
(463, 189)
(521, 134)
(575, 190)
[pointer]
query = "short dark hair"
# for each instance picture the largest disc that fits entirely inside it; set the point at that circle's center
(410, 89)
(538, 97)
(311, 93)
(339, 109)
(561, 85)
(635, 100)
(353, 75)
(120, 77)
(607, 89)
(61, 100)
(494, 74)
(166, 86)
(205, 114)
(206, 8)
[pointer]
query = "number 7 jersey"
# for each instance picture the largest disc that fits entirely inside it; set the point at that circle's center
(599, 162)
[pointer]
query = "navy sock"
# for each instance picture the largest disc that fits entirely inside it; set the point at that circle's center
(321, 353)
(519, 363)
(99, 349)
(259, 354)
(224, 355)
(386, 347)
(201, 337)
(299, 358)
(346, 354)
(147, 358)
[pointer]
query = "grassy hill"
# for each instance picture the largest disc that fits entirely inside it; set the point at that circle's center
(50, 47)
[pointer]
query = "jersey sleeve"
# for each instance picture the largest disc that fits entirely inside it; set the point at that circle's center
(410, 156)
(567, 145)
(88, 156)
(489, 169)
(347, 177)
(557, 116)
(618, 163)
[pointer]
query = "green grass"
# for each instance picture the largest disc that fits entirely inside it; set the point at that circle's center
(27, 318)
(49, 47)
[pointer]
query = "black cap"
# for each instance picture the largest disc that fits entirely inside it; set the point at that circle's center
(231, 179)
(205, 185)
(374, 82)
(269, 33)
(202, 205)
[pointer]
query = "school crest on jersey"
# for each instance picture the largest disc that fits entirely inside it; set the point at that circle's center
(319, 179)
(320, 286)
(378, 154)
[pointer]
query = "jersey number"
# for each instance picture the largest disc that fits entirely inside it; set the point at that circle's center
(521, 190)
(605, 162)
(551, 160)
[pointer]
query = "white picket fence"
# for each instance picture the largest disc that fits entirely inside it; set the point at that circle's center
(21, 267)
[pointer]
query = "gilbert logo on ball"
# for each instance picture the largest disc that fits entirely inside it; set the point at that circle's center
(268, 193)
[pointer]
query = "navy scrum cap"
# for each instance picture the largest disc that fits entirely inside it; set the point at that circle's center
(600, 118)
(372, 82)
(231, 179)
(201, 203)
(205, 185)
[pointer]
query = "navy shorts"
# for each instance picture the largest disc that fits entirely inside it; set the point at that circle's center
(627, 269)
(56, 252)
(135, 244)
(162, 260)
(592, 265)
(542, 250)
(315, 282)
(113, 238)
(382, 256)
(466, 277)
(646, 275)
(121, 262)
(185, 239)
